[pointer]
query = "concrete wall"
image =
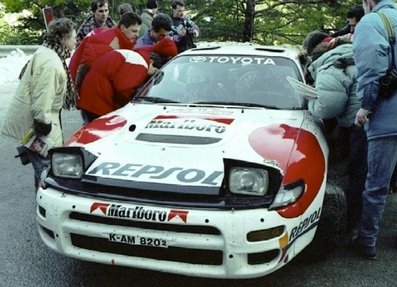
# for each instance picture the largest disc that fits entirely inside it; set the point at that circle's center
(7, 49)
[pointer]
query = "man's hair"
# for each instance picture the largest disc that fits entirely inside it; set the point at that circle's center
(176, 3)
(356, 12)
(61, 27)
(158, 61)
(130, 18)
(124, 8)
(97, 4)
(162, 21)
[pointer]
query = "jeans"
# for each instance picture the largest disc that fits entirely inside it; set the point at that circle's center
(39, 164)
(382, 158)
(357, 170)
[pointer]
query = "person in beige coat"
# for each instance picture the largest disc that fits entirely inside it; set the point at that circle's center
(45, 88)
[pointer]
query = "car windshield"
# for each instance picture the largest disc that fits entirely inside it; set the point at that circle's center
(225, 80)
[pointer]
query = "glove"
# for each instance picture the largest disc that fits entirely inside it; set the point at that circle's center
(41, 128)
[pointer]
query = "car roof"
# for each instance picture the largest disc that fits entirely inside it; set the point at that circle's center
(235, 48)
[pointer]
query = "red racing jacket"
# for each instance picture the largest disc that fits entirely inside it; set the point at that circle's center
(94, 46)
(112, 80)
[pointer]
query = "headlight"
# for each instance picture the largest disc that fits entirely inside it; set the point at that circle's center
(69, 165)
(288, 194)
(251, 181)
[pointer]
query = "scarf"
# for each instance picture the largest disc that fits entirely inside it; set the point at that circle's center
(71, 93)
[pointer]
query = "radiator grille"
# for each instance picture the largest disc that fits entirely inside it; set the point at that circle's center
(195, 229)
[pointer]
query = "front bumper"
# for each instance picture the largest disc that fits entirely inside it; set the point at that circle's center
(195, 242)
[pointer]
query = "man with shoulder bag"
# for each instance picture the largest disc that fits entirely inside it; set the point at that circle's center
(374, 48)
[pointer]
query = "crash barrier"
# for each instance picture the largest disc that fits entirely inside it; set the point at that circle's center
(7, 49)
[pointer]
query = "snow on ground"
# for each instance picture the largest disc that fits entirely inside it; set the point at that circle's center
(10, 67)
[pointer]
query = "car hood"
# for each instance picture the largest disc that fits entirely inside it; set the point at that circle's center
(189, 145)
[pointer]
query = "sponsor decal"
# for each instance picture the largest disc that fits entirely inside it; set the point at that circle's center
(96, 130)
(201, 125)
(178, 213)
(305, 225)
(188, 124)
(138, 212)
(139, 171)
(298, 154)
(101, 206)
(233, 60)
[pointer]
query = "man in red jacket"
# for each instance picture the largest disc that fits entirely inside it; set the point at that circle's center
(92, 47)
(113, 78)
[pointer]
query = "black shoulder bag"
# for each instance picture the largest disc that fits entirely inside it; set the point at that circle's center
(388, 82)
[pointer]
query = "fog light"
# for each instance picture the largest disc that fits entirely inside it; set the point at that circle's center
(265, 234)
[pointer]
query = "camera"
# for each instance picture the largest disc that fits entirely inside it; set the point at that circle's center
(388, 84)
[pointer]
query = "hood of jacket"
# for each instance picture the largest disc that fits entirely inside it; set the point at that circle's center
(328, 58)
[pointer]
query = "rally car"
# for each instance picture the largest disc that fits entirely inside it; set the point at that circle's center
(214, 169)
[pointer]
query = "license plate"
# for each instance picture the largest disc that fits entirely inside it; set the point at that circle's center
(138, 240)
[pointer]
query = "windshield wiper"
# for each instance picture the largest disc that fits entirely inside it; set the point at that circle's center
(156, 100)
(236, 104)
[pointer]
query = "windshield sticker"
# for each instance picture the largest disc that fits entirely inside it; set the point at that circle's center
(233, 60)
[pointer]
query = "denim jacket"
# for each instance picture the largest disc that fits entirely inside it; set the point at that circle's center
(372, 55)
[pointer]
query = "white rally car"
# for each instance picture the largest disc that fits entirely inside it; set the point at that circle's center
(215, 169)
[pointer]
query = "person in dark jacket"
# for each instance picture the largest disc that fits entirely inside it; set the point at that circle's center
(184, 30)
(147, 16)
(98, 19)
(353, 16)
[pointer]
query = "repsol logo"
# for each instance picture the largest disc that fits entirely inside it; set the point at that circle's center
(139, 171)
(305, 225)
(138, 212)
(186, 125)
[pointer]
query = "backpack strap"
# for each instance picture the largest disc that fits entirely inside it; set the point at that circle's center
(390, 35)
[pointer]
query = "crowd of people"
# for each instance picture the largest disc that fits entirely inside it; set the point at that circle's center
(111, 60)
(347, 69)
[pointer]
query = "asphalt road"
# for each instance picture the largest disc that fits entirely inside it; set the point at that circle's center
(26, 261)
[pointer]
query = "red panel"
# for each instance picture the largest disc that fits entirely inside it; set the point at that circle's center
(96, 130)
(298, 154)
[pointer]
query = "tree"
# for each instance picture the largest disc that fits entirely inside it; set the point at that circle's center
(261, 21)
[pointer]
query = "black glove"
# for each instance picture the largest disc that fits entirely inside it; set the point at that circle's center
(41, 128)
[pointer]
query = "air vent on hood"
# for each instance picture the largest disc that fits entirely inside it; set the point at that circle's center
(176, 139)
